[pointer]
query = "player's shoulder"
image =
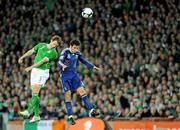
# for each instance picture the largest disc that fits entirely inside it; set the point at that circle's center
(78, 53)
(65, 51)
(40, 44)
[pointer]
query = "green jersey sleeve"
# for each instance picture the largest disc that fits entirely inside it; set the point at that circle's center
(39, 45)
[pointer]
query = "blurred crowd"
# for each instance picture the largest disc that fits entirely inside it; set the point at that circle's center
(136, 42)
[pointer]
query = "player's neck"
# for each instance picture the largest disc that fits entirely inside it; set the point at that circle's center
(49, 46)
(70, 49)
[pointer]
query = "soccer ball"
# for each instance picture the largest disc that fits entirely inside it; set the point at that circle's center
(87, 13)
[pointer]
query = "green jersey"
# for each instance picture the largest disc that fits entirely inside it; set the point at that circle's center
(42, 51)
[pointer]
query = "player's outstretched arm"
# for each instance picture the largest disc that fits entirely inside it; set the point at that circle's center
(88, 64)
(85, 62)
(27, 54)
(45, 59)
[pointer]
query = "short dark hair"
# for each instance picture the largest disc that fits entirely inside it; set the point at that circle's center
(75, 42)
(57, 38)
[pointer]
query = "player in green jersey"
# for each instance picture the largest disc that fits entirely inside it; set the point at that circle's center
(45, 54)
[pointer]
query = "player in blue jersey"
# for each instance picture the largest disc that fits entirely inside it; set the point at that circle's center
(71, 80)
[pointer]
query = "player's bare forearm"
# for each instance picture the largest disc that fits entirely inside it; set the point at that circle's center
(37, 64)
(27, 54)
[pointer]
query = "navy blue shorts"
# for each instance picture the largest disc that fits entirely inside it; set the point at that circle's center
(71, 82)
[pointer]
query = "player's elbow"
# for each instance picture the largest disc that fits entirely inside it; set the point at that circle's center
(30, 52)
(45, 59)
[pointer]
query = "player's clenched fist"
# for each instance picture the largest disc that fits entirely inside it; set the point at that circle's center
(20, 60)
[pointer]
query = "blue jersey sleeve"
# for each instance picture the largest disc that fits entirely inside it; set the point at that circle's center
(85, 62)
(61, 58)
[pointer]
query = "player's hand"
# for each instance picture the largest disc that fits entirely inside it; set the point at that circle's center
(64, 67)
(20, 60)
(28, 69)
(97, 68)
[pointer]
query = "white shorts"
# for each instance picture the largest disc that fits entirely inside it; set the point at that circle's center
(39, 76)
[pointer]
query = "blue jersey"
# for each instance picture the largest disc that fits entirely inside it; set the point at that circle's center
(70, 60)
(69, 78)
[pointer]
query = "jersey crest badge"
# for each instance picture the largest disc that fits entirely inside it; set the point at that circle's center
(76, 56)
(68, 56)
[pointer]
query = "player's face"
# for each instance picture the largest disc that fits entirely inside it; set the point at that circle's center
(54, 44)
(74, 48)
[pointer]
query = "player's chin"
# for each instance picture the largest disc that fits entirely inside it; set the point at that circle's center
(74, 51)
(55, 46)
